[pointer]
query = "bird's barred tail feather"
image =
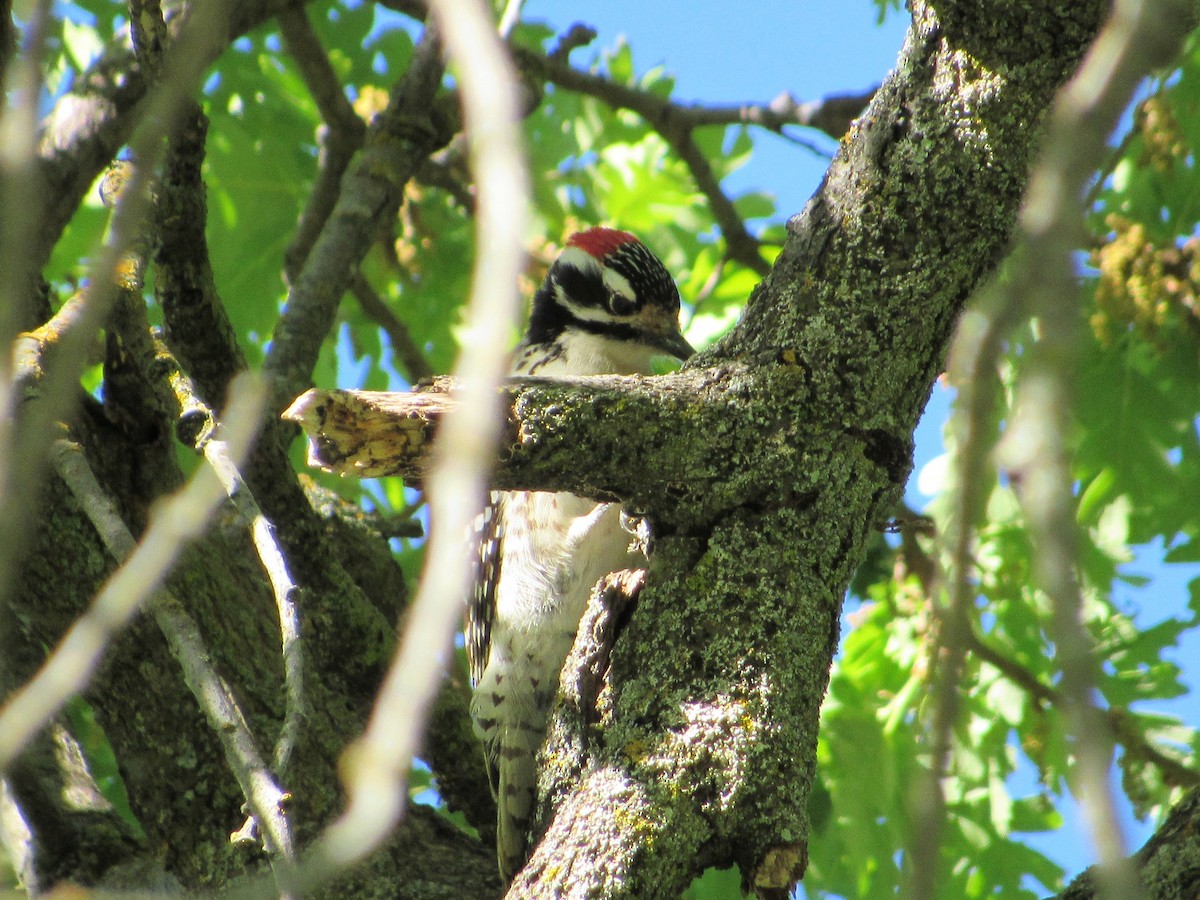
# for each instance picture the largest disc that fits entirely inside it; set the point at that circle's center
(510, 751)
(517, 784)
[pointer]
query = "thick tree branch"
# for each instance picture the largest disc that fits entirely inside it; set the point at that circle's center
(80, 137)
(552, 424)
(58, 825)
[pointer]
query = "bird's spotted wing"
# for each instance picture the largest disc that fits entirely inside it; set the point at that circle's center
(481, 605)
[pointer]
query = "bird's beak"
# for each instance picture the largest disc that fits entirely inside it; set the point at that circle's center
(675, 344)
(660, 329)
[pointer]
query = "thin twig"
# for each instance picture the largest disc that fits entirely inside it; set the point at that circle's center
(740, 244)
(342, 138)
(263, 794)
(266, 545)
(220, 457)
(1136, 744)
(333, 159)
(578, 35)
(1114, 157)
(832, 115)
(442, 171)
(304, 47)
(670, 120)
(974, 358)
(381, 758)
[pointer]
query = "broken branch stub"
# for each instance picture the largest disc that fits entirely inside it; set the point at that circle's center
(370, 434)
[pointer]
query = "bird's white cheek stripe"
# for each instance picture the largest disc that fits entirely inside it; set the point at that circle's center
(619, 284)
(588, 313)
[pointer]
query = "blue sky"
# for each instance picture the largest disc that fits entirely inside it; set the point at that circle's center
(811, 50)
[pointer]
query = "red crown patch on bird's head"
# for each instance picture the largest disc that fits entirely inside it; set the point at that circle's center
(599, 242)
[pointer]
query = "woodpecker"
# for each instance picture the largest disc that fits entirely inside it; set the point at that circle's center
(607, 306)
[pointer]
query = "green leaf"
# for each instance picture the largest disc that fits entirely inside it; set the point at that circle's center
(101, 760)
(716, 884)
(755, 206)
(1094, 497)
(619, 63)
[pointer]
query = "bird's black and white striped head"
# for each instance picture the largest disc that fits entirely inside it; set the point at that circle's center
(608, 289)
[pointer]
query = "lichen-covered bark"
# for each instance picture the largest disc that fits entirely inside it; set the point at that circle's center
(794, 442)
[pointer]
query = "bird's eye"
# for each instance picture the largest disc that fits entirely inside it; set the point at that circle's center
(620, 305)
